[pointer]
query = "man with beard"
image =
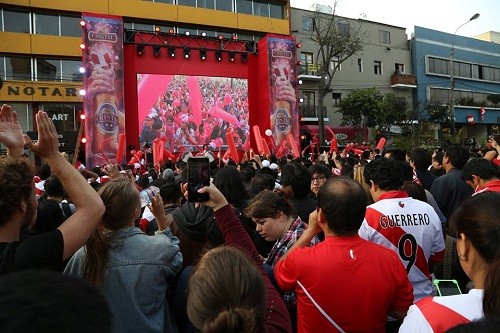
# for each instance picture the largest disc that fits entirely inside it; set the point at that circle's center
(18, 202)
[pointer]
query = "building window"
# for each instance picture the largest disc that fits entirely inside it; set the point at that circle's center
(24, 115)
(63, 115)
(14, 21)
(307, 61)
(334, 64)
(261, 8)
(58, 70)
(15, 68)
(438, 66)
(360, 65)
(210, 4)
(307, 23)
(244, 6)
(399, 68)
(276, 10)
(191, 3)
(164, 1)
(384, 36)
(377, 67)
(308, 107)
(343, 28)
(57, 25)
(337, 97)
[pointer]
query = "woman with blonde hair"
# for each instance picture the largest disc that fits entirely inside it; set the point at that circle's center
(133, 270)
(360, 178)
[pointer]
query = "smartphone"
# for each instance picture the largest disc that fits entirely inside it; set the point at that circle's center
(447, 287)
(198, 175)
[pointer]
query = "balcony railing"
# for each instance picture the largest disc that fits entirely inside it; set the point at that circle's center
(403, 81)
(308, 69)
(311, 111)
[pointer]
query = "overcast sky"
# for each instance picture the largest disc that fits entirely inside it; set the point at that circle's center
(442, 15)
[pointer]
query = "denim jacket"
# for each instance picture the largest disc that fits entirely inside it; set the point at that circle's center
(138, 271)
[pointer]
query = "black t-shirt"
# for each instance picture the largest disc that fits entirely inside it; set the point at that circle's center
(44, 251)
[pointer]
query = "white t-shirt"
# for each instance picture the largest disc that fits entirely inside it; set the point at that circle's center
(412, 229)
(468, 305)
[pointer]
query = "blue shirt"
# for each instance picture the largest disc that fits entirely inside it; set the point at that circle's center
(136, 278)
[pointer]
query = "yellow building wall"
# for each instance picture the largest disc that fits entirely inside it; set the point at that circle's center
(209, 17)
(143, 9)
(92, 6)
(15, 42)
(56, 45)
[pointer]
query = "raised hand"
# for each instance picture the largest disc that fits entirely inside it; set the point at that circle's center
(48, 144)
(11, 134)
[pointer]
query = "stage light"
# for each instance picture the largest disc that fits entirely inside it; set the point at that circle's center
(171, 51)
(82, 46)
(81, 69)
(218, 55)
(203, 34)
(232, 55)
(298, 45)
(140, 49)
(187, 51)
(300, 81)
(82, 92)
(156, 50)
(187, 33)
(301, 100)
(235, 37)
(82, 116)
(82, 23)
(203, 54)
(157, 29)
(171, 31)
(299, 63)
(244, 57)
(220, 37)
(84, 140)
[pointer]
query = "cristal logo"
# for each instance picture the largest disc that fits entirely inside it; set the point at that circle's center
(106, 118)
(283, 120)
(103, 36)
(281, 54)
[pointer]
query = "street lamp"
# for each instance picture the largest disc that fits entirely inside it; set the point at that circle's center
(452, 75)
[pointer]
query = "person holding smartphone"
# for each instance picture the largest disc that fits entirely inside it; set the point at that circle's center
(477, 226)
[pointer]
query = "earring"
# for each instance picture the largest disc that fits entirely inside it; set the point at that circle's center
(462, 257)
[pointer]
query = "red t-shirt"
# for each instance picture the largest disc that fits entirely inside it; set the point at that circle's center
(356, 282)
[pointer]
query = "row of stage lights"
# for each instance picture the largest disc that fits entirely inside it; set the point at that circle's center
(141, 50)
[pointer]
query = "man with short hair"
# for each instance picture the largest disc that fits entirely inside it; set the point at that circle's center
(18, 204)
(420, 161)
(344, 272)
(409, 227)
(450, 189)
(481, 175)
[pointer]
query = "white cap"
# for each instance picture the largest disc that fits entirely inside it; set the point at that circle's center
(274, 166)
(265, 164)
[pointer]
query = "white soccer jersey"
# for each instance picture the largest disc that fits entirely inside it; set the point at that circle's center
(413, 230)
(446, 312)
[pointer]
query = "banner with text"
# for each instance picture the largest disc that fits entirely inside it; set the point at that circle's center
(103, 82)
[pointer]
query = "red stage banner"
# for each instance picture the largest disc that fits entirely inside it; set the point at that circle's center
(282, 103)
(103, 103)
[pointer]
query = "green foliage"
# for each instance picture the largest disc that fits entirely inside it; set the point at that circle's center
(493, 98)
(369, 108)
(437, 112)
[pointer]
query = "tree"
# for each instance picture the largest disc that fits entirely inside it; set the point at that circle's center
(369, 108)
(338, 39)
(493, 98)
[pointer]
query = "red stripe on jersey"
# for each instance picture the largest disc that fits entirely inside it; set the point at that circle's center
(393, 235)
(440, 318)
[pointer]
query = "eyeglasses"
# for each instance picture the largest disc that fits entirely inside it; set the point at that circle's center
(318, 179)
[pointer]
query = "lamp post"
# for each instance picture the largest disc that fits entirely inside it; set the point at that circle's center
(452, 76)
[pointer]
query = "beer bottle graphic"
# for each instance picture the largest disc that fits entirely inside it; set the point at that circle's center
(282, 109)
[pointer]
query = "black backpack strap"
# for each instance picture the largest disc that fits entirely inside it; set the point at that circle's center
(66, 209)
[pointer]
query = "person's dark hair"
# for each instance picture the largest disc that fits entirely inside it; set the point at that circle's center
(385, 173)
(226, 293)
(347, 171)
(406, 170)
(16, 177)
(169, 191)
(414, 190)
(54, 187)
(458, 155)
(321, 169)
(421, 158)
(44, 171)
(268, 204)
(480, 167)
(296, 175)
(121, 199)
(269, 171)
(229, 181)
(343, 202)
(477, 218)
(46, 301)
(260, 183)
(439, 157)
(396, 154)
(365, 155)
(247, 174)
(488, 324)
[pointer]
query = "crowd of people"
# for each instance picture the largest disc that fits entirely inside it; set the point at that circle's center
(344, 243)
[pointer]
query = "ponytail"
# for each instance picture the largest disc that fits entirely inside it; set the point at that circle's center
(233, 320)
(95, 259)
(491, 305)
